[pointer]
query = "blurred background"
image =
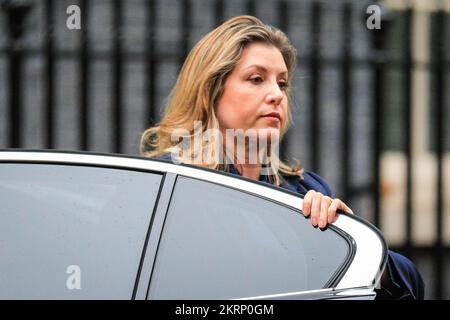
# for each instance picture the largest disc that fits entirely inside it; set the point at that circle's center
(371, 105)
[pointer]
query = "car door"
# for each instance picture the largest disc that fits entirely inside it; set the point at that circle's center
(226, 238)
(86, 226)
(72, 227)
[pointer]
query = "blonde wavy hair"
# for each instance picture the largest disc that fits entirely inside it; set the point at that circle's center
(200, 86)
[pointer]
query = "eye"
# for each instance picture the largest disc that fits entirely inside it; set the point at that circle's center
(283, 85)
(256, 80)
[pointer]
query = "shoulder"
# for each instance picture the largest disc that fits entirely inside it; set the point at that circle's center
(165, 157)
(310, 181)
(317, 183)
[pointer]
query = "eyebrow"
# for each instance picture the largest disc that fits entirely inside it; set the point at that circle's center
(262, 68)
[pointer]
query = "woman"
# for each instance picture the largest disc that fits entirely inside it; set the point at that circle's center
(228, 110)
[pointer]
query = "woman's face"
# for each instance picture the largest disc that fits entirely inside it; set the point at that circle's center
(254, 96)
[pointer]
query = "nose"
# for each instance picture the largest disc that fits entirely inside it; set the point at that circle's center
(274, 95)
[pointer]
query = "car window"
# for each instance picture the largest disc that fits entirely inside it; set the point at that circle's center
(221, 243)
(72, 231)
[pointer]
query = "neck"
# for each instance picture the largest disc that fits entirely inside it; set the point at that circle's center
(251, 171)
(246, 168)
(247, 165)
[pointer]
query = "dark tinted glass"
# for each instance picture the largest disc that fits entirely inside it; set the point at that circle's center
(220, 243)
(69, 232)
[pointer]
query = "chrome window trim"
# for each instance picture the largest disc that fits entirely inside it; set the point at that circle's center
(328, 294)
(152, 240)
(363, 271)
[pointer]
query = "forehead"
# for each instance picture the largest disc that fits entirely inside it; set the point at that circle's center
(262, 54)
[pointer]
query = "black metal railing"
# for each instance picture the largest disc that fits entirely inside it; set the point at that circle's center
(439, 71)
(13, 22)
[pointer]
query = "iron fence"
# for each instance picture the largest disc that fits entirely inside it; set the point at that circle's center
(376, 61)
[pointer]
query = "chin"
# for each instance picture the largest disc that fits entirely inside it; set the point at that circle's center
(272, 135)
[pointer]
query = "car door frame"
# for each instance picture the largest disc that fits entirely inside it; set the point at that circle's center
(51, 157)
(170, 172)
(339, 292)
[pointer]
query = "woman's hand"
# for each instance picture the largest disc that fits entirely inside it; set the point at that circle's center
(322, 208)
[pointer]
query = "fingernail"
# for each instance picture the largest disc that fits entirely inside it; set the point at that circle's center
(322, 223)
(314, 221)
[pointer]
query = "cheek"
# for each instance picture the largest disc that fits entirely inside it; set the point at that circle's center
(284, 106)
(228, 113)
(234, 108)
(285, 116)
(233, 117)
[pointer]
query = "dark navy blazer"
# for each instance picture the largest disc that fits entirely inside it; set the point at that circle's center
(403, 280)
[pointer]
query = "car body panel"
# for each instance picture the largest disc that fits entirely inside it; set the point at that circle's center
(364, 271)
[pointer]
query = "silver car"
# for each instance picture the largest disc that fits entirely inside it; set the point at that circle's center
(102, 226)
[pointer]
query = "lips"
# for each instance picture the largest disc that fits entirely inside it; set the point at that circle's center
(273, 115)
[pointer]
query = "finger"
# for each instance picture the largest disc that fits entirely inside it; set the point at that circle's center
(334, 206)
(307, 200)
(345, 208)
(337, 204)
(315, 208)
(324, 204)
